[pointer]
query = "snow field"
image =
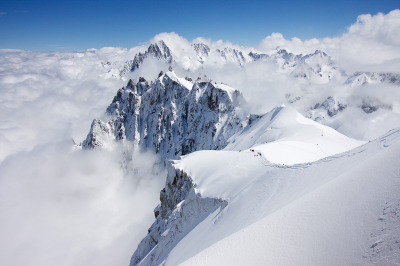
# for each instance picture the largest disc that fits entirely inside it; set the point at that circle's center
(322, 213)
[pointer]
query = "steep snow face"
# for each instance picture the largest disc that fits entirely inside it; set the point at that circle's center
(286, 137)
(337, 211)
(171, 116)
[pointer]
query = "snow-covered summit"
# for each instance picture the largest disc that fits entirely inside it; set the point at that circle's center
(158, 50)
(284, 136)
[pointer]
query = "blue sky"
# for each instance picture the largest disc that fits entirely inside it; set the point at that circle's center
(79, 25)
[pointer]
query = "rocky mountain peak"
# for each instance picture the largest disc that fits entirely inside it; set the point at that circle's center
(160, 51)
(233, 55)
(171, 116)
(202, 51)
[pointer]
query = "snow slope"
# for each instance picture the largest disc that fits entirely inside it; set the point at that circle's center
(286, 137)
(258, 175)
(341, 210)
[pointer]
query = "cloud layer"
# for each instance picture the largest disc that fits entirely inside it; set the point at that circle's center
(73, 208)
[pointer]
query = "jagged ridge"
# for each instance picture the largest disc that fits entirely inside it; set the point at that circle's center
(171, 116)
(180, 207)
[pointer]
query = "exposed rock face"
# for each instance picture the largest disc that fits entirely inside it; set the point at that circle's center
(158, 50)
(171, 116)
(180, 207)
(332, 106)
(233, 55)
(99, 134)
(257, 56)
(202, 51)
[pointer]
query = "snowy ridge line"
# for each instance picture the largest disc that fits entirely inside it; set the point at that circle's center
(283, 136)
(317, 64)
(320, 161)
(270, 194)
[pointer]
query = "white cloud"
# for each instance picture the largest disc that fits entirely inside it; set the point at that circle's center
(369, 44)
(73, 208)
(61, 207)
(50, 96)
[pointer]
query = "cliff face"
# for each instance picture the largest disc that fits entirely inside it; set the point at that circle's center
(171, 116)
(180, 208)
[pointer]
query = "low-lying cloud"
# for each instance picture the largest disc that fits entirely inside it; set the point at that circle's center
(60, 206)
(64, 207)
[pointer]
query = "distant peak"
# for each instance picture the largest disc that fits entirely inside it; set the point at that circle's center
(320, 53)
(201, 47)
(281, 51)
(131, 83)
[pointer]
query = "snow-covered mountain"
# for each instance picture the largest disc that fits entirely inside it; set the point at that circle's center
(202, 51)
(171, 116)
(233, 56)
(238, 171)
(275, 195)
(175, 116)
(318, 64)
(158, 50)
(232, 170)
(256, 177)
(342, 210)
